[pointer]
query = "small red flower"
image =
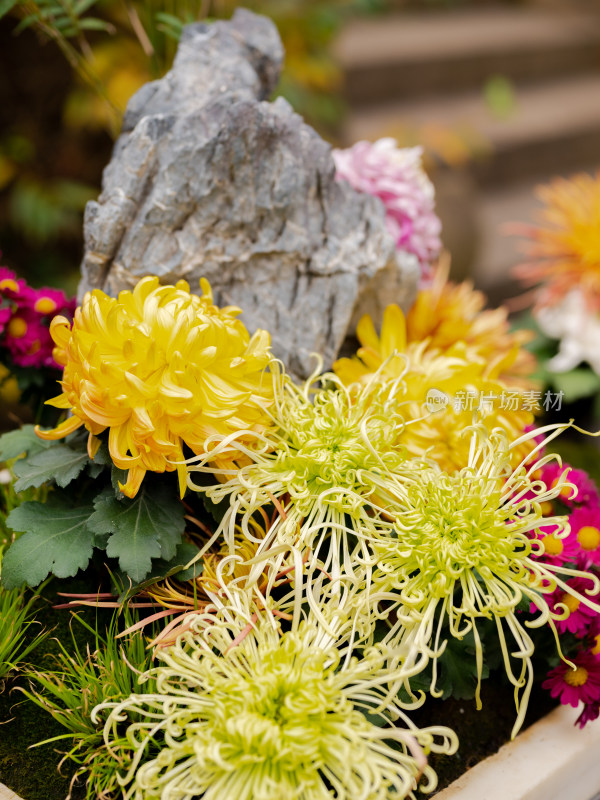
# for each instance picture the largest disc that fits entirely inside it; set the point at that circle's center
(591, 711)
(580, 616)
(573, 686)
(585, 531)
(587, 493)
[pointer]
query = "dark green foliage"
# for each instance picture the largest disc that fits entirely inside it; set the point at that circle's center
(56, 540)
(59, 536)
(148, 527)
(18, 442)
(60, 464)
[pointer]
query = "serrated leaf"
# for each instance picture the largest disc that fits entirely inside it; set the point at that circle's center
(149, 526)
(59, 463)
(55, 540)
(101, 540)
(458, 670)
(94, 469)
(102, 456)
(24, 440)
(164, 569)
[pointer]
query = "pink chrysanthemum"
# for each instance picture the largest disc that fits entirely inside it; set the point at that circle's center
(580, 616)
(573, 686)
(396, 177)
(587, 493)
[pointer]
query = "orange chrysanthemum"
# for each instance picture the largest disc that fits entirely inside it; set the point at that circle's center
(454, 375)
(565, 252)
(159, 367)
(445, 313)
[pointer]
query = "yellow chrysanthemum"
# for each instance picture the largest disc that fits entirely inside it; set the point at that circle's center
(159, 367)
(465, 382)
(445, 313)
(566, 251)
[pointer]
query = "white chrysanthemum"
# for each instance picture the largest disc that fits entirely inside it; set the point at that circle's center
(577, 327)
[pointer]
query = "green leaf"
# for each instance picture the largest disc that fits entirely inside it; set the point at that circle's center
(24, 440)
(6, 6)
(118, 476)
(60, 463)
(26, 22)
(164, 569)
(577, 383)
(458, 669)
(82, 6)
(149, 526)
(55, 540)
(93, 24)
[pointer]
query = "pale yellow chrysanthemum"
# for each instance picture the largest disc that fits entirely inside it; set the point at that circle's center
(159, 367)
(565, 252)
(445, 313)
(243, 710)
(463, 553)
(468, 384)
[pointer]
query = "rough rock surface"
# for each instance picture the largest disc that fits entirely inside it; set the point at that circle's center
(210, 179)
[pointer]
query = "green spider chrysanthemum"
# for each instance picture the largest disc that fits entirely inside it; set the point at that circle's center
(242, 711)
(462, 551)
(327, 466)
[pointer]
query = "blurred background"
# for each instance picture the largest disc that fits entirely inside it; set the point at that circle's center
(502, 96)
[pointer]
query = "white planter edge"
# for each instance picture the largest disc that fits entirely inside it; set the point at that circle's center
(551, 760)
(7, 794)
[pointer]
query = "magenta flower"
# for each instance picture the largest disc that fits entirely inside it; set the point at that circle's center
(591, 711)
(9, 285)
(585, 532)
(587, 493)
(25, 315)
(396, 177)
(580, 616)
(573, 686)
(557, 550)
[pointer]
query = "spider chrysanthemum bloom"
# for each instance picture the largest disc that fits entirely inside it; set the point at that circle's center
(325, 466)
(462, 552)
(565, 251)
(243, 711)
(469, 384)
(159, 367)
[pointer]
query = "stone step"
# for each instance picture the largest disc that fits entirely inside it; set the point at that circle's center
(413, 55)
(552, 127)
(475, 229)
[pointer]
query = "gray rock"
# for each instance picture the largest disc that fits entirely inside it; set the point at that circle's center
(209, 179)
